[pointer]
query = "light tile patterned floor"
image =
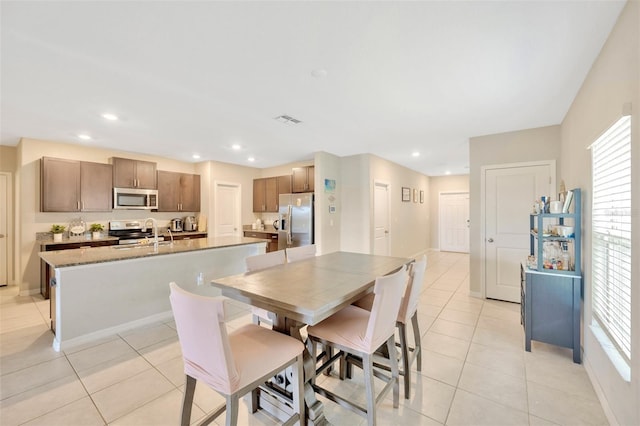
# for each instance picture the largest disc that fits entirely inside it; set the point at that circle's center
(475, 370)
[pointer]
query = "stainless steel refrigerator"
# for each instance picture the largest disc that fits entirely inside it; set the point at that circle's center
(296, 220)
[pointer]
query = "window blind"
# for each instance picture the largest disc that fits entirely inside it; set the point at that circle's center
(611, 233)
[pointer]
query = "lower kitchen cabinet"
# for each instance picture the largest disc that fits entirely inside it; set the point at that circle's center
(551, 309)
(272, 245)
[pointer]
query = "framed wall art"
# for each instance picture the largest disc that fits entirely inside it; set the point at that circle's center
(406, 194)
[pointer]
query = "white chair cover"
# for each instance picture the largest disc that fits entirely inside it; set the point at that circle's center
(266, 260)
(409, 304)
(299, 253)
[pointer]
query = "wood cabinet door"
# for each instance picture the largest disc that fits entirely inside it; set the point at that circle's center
(284, 184)
(190, 193)
(259, 202)
(146, 175)
(95, 187)
(168, 191)
(60, 185)
(299, 179)
(124, 172)
(311, 183)
(271, 194)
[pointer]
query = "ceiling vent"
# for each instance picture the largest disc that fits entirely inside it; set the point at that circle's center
(287, 119)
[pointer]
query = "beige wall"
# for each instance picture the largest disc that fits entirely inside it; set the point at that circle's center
(437, 186)
(612, 83)
(9, 164)
(522, 146)
(8, 155)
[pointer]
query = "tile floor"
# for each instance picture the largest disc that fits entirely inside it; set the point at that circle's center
(475, 370)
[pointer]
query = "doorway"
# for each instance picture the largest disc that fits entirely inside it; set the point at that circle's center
(227, 210)
(381, 234)
(454, 222)
(508, 193)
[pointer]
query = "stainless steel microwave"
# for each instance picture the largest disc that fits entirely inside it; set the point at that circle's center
(135, 199)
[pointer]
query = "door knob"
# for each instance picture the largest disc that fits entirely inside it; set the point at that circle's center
(490, 240)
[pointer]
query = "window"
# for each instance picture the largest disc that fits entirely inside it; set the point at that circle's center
(611, 234)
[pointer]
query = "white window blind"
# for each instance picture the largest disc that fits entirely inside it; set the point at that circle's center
(611, 233)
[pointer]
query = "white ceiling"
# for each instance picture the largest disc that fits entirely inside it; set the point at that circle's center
(197, 77)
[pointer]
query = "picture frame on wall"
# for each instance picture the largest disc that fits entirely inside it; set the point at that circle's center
(406, 194)
(415, 195)
(421, 197)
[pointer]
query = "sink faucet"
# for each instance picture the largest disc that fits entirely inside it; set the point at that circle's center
(155, 231)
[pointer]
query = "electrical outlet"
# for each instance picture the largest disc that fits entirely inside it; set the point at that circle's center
(200, 278)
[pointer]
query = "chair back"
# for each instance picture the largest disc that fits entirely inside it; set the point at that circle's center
(266, 260)
(203, 339)
(409, 304)
(299, 253)
(388, 292)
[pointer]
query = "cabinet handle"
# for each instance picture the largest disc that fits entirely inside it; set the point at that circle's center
(82, 204)
(78, 203)
(490, 240)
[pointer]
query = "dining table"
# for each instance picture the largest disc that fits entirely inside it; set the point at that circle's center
(305, 293)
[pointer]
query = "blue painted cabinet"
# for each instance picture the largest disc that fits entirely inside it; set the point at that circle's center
(551, 298)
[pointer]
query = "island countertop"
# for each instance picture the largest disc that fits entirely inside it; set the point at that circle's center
(83, 256)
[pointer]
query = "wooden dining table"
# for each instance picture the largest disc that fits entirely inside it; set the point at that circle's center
(307, 292)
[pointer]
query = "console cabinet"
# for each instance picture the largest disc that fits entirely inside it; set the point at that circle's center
(551, 298)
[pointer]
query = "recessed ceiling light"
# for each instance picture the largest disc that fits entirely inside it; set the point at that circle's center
(196, 156)
(84, 137)
(236, 147)
(251, 159)
(447, 172)
(109, 116)
(415, 154)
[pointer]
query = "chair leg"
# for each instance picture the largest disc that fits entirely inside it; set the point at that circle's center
(232, 410)
(391, 345)
(367, 368)
(256, 319)
(314, 357)
(328, 350)
(298, 389)
(406, 368)
(187, 400)
(418, 340)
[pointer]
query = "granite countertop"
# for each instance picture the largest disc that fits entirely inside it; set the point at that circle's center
(89, 255)
(165, 233)
(268, 229)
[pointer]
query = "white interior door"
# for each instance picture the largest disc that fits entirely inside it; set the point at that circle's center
(227, 210)
(381, 218)
(508, 200)
(454, 222)
(4, 228)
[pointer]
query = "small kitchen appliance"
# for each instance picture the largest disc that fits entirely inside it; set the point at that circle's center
(190, 224)
(176, 224)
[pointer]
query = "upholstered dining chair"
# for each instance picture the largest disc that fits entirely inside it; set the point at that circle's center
(256, 263)
(408, 313)
(359, 332)
(232, 364)
(299, 253)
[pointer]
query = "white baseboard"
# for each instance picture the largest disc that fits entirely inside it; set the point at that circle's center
(608, 412)
(161, 317)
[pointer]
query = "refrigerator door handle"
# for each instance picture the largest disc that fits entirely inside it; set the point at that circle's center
(289, 225)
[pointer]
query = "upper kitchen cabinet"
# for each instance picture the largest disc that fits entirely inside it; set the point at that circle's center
(128, 173)
(303, 179)
(266, 192)
(178, 192)
(72, 186)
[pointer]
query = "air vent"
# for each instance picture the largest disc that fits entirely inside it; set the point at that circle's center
(287, 119)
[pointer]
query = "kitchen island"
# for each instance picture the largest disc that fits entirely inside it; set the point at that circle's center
(101, 291)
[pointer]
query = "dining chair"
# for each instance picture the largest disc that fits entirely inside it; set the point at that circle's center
(359, 332)
(408, 313)
(299, 253)
(256, 263)
(234, 363)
